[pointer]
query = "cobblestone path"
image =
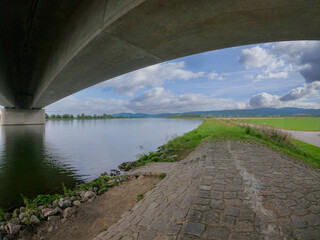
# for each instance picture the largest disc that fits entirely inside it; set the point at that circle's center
(227, 190)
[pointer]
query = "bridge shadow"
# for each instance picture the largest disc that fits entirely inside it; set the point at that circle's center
(29, 167)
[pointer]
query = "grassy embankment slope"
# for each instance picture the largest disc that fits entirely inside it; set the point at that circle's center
(296, 123)
(212, 129)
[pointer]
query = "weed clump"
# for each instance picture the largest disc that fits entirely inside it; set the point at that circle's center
(162, 175)
(140, 197)
(270, 134)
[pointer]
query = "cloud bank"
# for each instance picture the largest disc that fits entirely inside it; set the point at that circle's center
(153, 76)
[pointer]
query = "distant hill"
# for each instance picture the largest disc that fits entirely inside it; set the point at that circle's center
(260, 112)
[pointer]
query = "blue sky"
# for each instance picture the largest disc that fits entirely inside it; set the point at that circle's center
(283, 74)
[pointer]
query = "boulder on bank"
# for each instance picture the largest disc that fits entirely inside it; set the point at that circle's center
(68, 212)
(53, 218)
(76, 203)
(13, 228)
(34, 219)
(126, 166)
(88, 195)
(65, 203)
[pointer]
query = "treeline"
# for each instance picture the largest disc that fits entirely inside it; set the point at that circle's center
(79, 116)
(185, 115)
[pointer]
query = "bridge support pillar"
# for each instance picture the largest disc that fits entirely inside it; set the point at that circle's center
(11, 116)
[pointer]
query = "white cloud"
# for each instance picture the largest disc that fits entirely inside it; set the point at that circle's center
(305, 97)
(215, 76)
(75, 106)
(154, 76)
(308, 90)
(264, 100)
(256, 57)
(271, 67)
(158, 100)
(280, 59)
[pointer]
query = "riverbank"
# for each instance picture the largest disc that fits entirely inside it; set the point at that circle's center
(40, 215)
(53, 207)
(220, 130)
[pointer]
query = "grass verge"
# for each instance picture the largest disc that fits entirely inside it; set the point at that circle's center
(218, 130)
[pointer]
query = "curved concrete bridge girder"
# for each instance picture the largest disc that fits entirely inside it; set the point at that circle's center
(68, 46)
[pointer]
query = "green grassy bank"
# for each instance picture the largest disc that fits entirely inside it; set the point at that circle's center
(296, 123)
(213, 129)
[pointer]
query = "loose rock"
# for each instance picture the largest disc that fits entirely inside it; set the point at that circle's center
(13, 229)
(53, 218)
(88, 195)
(23, 215)
(65, 203)
(55, 203)
(68, 212)
(16, 213)
(126, 166)
(76, 203)
(34, 219)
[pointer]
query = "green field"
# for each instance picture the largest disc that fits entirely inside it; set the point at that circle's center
(300, 124)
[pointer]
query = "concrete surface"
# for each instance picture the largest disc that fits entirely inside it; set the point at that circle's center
(22, 116)
(226, 191)
(51, 49)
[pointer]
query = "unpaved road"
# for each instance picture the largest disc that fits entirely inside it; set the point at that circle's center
(305, 136)
(310, 137)
(93, 217)
(227, 190)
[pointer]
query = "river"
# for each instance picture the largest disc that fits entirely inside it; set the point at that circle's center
(36, 159)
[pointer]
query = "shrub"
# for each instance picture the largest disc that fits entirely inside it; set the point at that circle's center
(46, 199)
(2, 217)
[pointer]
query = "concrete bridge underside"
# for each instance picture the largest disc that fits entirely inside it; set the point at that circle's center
(50, 49)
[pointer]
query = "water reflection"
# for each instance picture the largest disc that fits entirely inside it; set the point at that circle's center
(37, 159)
(28, 167)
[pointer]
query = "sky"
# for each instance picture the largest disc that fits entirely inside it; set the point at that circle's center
(281, 74)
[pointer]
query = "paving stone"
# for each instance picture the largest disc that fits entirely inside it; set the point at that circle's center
(210, 217)
(232, 211)
(230, 195)
(204, 187)
(234, 188)
(243, 227)
(194, 228)
(217, 195)
(233, 202)
(218, 187)
(204, 194)
(219, 233)
(313, 220)
(238, 236)
(202, 201)
(228, 220)
(246, 214)
(299, 222)
(195, 215)
(217, 204)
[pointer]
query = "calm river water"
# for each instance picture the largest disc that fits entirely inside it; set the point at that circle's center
(37, 159)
